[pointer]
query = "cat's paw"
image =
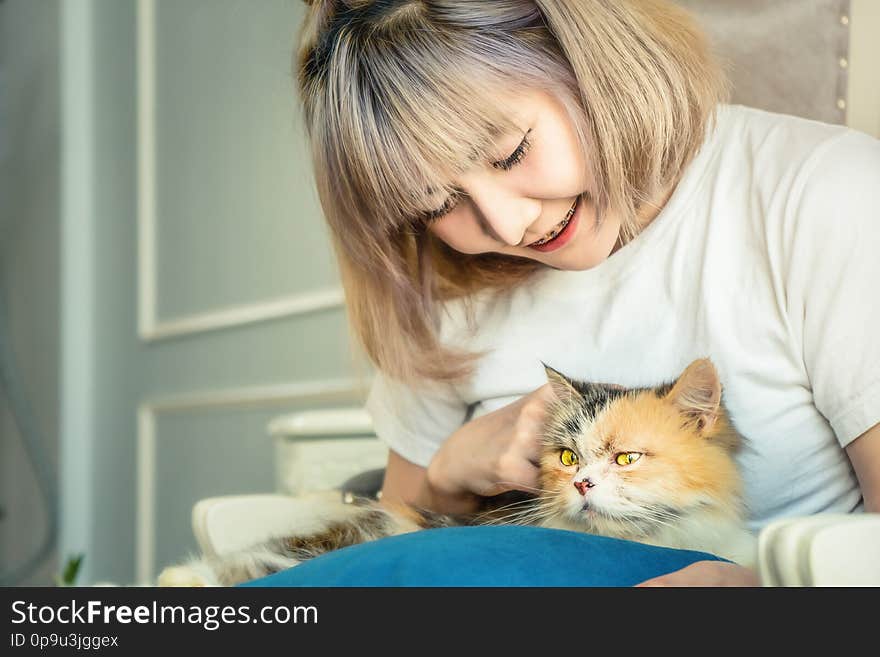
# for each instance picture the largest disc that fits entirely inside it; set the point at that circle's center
(183, 576)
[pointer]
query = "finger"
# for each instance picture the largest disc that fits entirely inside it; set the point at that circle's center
(655, 582)
(546, 395)
(526, 476)
(526, 447)
(532, 453)
(521, 476)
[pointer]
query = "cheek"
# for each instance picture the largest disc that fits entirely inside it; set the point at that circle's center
(554, 479)
(558, 482)
(565, 496)
(557, 167)
(556, 172)
(648, 483)
(460, 231)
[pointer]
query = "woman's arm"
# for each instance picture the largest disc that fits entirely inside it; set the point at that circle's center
(407, 482)
(864, 453)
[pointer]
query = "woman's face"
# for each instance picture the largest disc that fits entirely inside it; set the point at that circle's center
(521, 203)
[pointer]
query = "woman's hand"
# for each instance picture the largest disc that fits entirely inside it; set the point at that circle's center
(707, 573)
(493, 454)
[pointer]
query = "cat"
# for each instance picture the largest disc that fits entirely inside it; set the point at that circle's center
(654, 465)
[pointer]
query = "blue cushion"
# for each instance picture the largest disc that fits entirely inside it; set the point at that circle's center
(488, 556)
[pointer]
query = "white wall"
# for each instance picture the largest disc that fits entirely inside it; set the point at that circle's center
(863, 102)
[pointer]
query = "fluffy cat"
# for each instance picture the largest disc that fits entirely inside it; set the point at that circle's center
(654, 465)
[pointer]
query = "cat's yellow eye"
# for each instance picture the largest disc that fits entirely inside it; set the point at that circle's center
(627, 458)
(568, 457)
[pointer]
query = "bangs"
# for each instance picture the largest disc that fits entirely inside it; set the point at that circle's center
(410, 114)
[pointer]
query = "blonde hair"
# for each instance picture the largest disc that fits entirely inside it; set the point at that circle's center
(400, 96)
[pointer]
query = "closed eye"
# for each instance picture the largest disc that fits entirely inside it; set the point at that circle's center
(447, 207)
(505, 165)
(517, 156)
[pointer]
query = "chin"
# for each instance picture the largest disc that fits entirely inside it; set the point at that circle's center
(580, 263)
(576, 260)
(586, 251)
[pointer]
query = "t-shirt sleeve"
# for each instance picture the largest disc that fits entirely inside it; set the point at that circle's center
(414, 421)
(833, 280)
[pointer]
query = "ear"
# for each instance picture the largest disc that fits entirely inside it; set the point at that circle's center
(562, 386)
(697, 394)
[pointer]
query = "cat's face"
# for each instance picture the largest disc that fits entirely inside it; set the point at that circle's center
(624, 462)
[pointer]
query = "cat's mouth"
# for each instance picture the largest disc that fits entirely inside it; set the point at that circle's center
(592, 511)
(620, 522)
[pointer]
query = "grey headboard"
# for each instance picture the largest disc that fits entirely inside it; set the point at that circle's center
(787, 56)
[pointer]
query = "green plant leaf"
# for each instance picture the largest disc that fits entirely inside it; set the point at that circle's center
(70, 572)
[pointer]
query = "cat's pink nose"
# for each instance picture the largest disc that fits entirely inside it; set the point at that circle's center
(583, 485)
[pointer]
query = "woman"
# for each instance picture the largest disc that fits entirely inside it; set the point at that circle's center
(523, 181)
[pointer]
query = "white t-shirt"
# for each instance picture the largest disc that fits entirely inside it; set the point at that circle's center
(766, 259)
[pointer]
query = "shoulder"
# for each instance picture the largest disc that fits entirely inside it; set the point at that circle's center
(756, 128)
(839, 185)
(830, 205)
(848, 163)
(785, 167)
(769, 142)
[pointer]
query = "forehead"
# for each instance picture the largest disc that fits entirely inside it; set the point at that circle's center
(603, 417)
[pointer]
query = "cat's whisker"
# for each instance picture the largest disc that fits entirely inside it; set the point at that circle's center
(525, 516)
(521, 503)
(527, 489)
(662, 516)
(518, 506)
(663, 512)
(541, 513)
(513, 516)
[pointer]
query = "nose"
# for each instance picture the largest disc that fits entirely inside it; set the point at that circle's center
(583, 484)
(506, 214)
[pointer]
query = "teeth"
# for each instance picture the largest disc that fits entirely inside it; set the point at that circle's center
(558, 229)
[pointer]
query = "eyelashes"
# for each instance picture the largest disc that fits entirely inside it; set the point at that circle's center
(517, 156)
(505, 165)
(450, 202)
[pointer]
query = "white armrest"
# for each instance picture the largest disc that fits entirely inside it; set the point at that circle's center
(821, 550)
(232, 522)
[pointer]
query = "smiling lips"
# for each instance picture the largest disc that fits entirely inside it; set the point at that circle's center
(558, 228)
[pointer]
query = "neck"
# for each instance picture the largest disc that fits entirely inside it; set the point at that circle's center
(648, 211)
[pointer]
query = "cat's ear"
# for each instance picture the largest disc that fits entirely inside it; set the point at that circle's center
(562, 386)
(697, 394)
